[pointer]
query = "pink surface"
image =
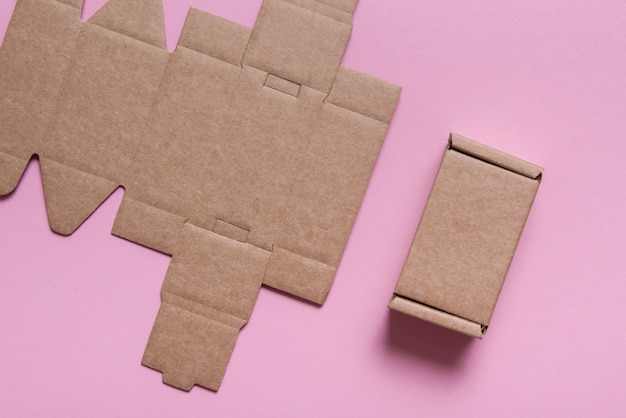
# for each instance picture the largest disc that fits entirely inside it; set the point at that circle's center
(541, 80)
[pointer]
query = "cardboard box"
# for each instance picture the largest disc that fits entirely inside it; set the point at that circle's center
(245, 153)
(467, 237)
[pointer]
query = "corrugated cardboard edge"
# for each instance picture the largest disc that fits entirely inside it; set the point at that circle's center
(436, 316)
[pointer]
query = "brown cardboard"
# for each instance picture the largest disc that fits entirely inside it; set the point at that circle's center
(33, 60)
(467, 237)
(245, 153)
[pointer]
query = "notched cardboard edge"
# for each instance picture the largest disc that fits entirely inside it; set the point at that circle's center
(71, 195)
(493, 156)
(436, 316)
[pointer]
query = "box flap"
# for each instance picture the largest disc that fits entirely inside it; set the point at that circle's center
(437, 316)
(493, 156)
(216, 37)
(300, 41)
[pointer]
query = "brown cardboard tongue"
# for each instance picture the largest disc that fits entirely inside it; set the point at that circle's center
(245, 154)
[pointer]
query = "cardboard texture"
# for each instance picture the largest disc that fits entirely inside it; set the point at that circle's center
(245, 154)
(467, 237)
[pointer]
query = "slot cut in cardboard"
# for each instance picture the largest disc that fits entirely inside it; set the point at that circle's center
(245, 153)
(467, 236)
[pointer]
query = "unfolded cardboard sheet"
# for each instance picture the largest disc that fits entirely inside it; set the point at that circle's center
(467, 237)
(245, 154)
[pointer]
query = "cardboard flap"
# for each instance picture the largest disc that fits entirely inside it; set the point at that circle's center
(493, 156)
(364, 94)
(436, 316)
(33, 60)
(139, 19)
(71, 195)
(77, 4)
(299, 276)
(189, 349)
(11, 170)
(147, 225)
(297, 43)
(208, 294)
(215, 37)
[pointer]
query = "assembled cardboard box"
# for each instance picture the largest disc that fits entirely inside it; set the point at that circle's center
(467, 237)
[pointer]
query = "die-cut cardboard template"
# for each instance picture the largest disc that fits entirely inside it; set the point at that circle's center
(245, 154)
(467, 237)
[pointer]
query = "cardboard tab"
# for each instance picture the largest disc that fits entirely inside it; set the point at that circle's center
(71, 195)
(282, 85)
(467, 237)
(231, 231)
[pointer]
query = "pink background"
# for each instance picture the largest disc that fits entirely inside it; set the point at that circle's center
(543, 80)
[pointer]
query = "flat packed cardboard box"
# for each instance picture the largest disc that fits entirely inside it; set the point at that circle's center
(245, 154)
(467, 237)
